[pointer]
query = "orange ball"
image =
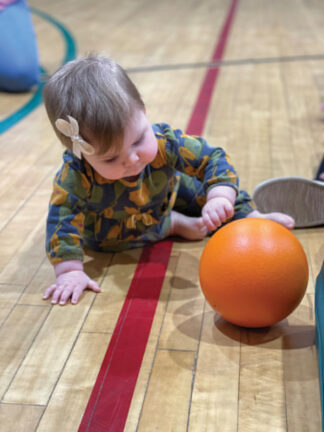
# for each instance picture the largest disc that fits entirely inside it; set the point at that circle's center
(253, 272)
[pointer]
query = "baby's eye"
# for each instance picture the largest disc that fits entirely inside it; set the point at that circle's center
(139, 141)
(111, 159)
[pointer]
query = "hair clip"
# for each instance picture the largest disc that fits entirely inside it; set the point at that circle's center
(71, 129)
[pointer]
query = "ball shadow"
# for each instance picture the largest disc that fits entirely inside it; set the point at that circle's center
(292, 335)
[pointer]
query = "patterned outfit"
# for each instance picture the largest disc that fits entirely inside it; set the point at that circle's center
(114, 215)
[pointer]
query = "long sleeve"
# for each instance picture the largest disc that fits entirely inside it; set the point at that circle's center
(194, 156)
(65, 222)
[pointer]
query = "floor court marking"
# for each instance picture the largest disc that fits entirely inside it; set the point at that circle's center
(198, 117)
(109, 403)
(226, 63)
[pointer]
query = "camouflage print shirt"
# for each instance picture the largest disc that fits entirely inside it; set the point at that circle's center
(114, 215)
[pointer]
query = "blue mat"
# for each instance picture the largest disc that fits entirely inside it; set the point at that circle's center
(36, 97)
(319, 313)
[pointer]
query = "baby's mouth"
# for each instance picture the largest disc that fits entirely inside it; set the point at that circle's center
(132, 178)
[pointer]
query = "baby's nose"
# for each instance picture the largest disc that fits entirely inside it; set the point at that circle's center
(132, 159)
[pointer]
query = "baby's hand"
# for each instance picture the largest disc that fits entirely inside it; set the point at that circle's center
(217, 211)
(70, 284)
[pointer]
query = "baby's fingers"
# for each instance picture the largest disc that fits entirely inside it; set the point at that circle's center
(211, 221)
(60, 295)
(78, 291)
(94, 286)
(65, 295)
(229, 209)
(76, 295)
(49, 291)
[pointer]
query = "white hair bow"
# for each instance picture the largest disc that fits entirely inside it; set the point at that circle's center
(71, 129)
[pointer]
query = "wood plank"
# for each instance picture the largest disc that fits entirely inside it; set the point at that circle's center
(262, 396)
(106, 309)
(20, 232)
(300, 369)
(182, 322)
(171, 370)
(42, 366)
(214, 403)
(23, 263)
(9, 295)
(312, 244)
(16, 335)
(20, 418)
(36, 286)
(21, 189)
(274, 396)
(21, 149)
(70, 397)
(10, 103)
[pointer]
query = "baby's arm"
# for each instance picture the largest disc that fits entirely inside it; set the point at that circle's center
(219, 206)
(71, 281)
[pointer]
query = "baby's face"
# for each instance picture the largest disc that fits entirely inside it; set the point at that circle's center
(138, 149)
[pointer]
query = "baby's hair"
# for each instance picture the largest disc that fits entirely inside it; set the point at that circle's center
(98, 93)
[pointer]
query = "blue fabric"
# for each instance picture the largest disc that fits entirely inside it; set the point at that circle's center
(19, 63)
(191, 198)
(320, 170)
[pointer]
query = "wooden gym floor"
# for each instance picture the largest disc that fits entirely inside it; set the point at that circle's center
(198, 373)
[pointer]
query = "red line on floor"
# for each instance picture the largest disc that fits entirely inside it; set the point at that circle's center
(111, 397)
(199, 114)
(112, 394)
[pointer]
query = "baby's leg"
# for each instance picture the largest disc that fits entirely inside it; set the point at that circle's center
(190, 228)
(186, 220)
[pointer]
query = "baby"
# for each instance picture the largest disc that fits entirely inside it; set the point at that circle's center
(125, 183)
